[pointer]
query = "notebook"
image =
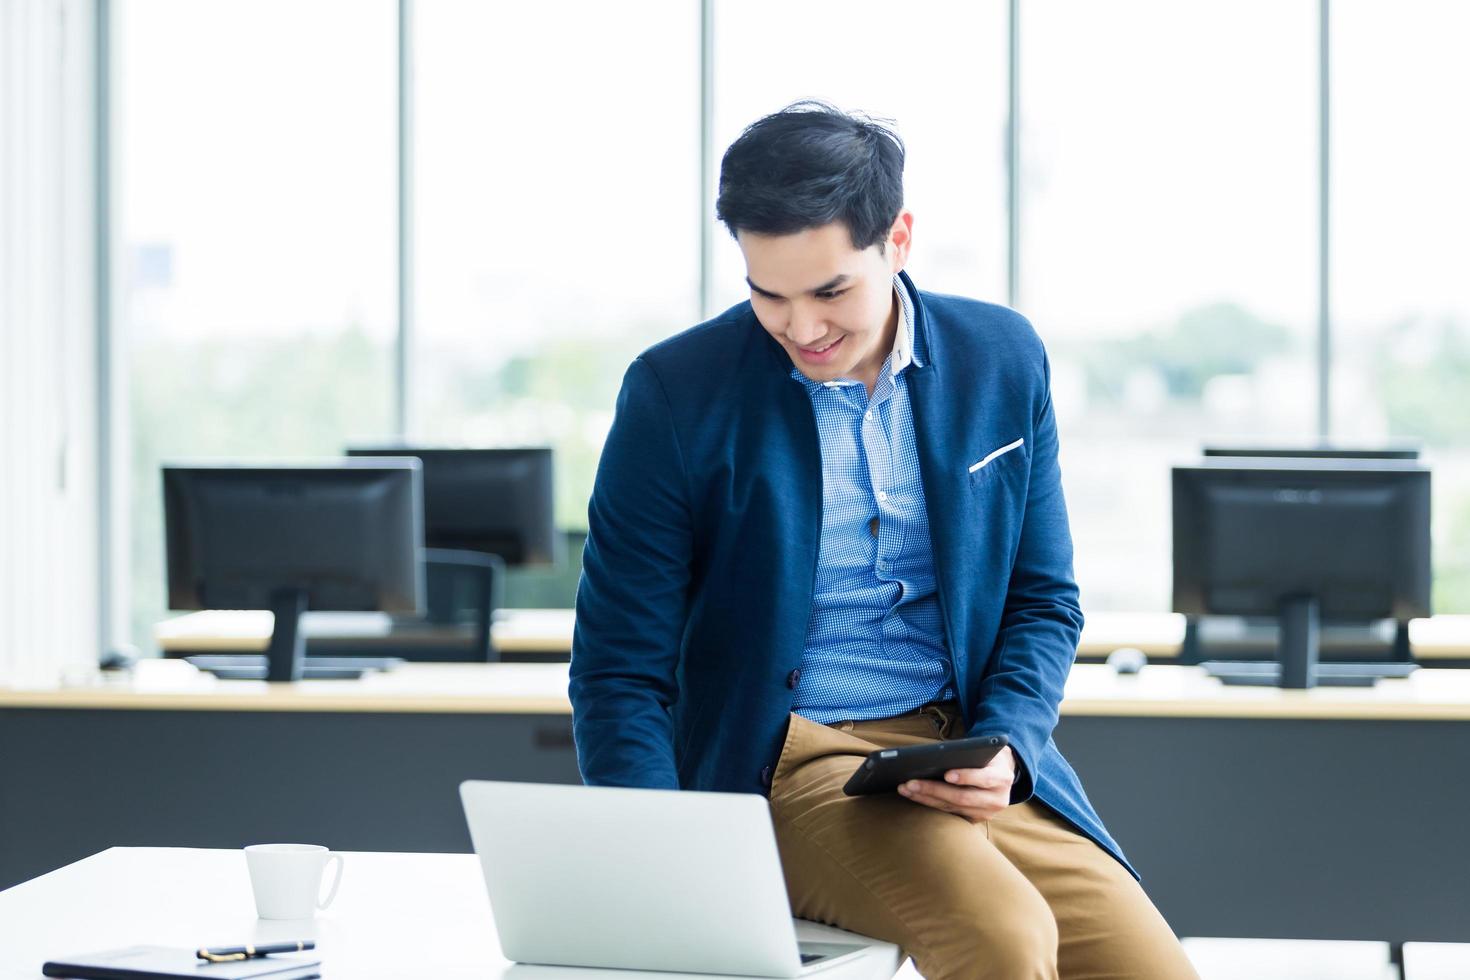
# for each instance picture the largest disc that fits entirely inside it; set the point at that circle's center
(144, 962)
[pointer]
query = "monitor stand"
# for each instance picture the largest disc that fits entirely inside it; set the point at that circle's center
(252, 666)
(286, 655)
(1298, 667)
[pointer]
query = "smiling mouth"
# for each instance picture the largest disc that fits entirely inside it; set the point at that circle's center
(823, 349)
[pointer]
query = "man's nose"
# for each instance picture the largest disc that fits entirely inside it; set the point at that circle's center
(805, 328)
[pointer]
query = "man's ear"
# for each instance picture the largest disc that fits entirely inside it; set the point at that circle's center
(900, 238)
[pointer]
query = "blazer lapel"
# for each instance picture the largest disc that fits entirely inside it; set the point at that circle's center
(945, 496)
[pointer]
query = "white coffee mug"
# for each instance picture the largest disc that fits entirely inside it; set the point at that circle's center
(287, 879)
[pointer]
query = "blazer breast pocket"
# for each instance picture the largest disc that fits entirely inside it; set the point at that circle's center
(1006, 459)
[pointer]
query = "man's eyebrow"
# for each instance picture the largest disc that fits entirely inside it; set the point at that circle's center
(827, 286)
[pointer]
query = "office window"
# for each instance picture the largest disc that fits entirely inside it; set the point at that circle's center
(556, 217)
(1400, 255)
(1168, 252)
(255, 162)
(937, 69)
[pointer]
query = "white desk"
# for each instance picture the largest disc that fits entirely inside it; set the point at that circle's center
(397, 915)
(549, 632)
(514, 631)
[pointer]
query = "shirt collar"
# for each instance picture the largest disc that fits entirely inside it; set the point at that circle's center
(903, 340)
(903, 353)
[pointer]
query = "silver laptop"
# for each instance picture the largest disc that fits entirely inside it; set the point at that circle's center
(638, 879)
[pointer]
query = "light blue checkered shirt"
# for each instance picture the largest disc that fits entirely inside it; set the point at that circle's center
(875, 644)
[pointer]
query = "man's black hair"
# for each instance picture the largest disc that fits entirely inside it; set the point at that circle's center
(809, 165)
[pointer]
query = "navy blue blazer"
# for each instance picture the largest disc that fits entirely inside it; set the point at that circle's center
(702, 547)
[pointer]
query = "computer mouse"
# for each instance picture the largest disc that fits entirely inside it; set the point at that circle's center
(1127, 660)
(121, 657)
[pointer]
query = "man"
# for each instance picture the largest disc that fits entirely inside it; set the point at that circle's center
(828, 521)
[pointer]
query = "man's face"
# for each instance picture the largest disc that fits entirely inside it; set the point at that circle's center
(831, 306)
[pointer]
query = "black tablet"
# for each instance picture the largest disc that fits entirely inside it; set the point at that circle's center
(883, 770)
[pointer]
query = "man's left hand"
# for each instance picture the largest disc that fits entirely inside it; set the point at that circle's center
(975, 794)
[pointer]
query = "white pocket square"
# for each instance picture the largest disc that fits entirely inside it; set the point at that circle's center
(998, 453)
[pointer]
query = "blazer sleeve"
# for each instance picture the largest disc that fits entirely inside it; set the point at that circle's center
(1042, 617)
(633, 595)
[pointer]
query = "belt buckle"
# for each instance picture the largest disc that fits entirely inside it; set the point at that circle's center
(935, 711)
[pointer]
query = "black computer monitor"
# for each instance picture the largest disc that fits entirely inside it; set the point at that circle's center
(496, 501)
(338, 535)
(1304, 540)
(1403, 450)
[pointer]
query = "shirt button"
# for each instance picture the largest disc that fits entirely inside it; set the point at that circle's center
(766, 777)
(882, 494)
(793, 678)
(868, 415)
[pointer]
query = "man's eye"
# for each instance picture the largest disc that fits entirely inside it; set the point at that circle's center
(831, 294)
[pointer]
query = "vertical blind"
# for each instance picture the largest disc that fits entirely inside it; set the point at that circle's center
(48, 358)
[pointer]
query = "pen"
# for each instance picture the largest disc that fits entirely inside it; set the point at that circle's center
(227, 954)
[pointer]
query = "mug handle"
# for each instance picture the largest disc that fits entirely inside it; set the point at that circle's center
(336, 882)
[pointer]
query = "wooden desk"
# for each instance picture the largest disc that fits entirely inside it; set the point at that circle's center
(548, 632)
(1159, 691)
(1335, 813)
(396, 916)
(478, 689)
(373, 764)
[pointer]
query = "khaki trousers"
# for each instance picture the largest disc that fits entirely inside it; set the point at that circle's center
(1021, 896)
